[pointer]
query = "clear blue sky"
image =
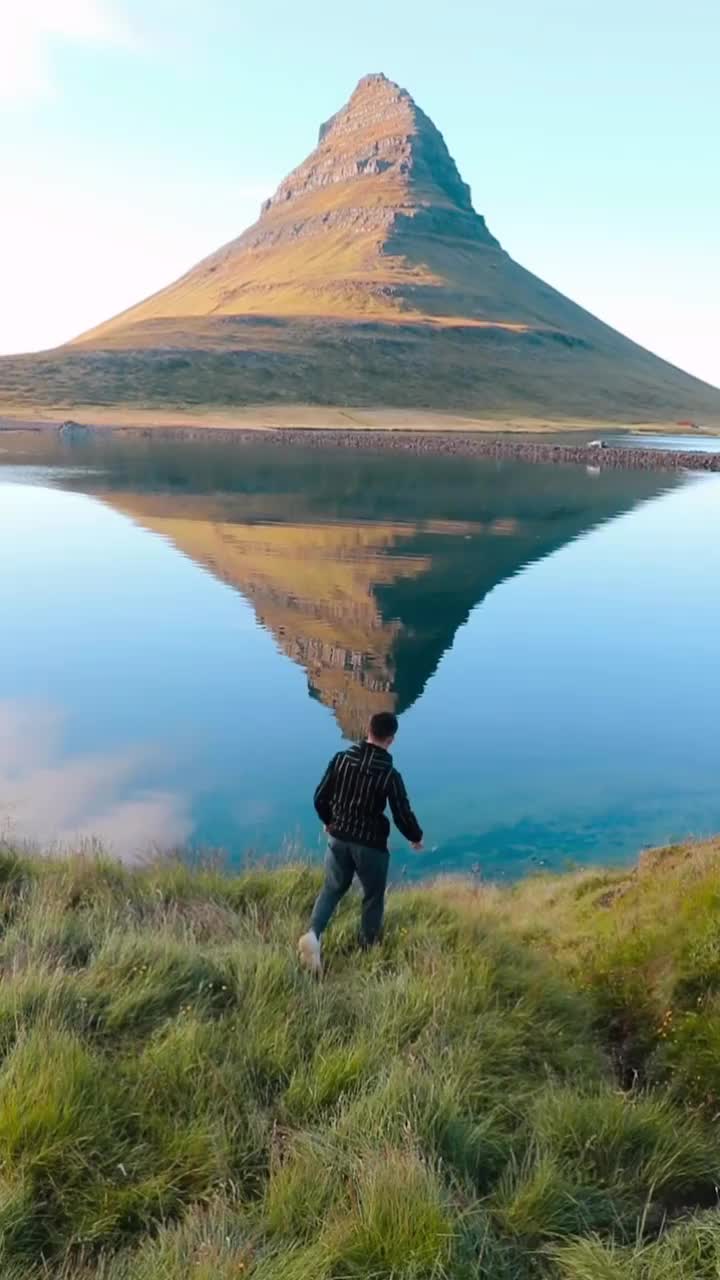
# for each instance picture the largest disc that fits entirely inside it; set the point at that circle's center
(137, 135)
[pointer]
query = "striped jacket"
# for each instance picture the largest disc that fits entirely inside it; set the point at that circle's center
(351, 798)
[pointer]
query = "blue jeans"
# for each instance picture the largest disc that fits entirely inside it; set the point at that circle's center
(344, 861)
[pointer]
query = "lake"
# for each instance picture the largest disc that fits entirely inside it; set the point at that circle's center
(690, 443)
(189, 630)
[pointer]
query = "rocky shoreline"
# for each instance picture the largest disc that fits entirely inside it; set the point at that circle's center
(401, 440)
(471, 445)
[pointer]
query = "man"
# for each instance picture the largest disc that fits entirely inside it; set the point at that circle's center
(350, 801)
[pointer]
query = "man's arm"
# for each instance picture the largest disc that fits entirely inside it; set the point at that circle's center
(403, 816)
(324, 793)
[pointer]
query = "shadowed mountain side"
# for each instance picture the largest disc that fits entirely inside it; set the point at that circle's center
(367, 608)
(369, 280)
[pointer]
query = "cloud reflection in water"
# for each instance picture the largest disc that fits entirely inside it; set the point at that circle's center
(49, 796)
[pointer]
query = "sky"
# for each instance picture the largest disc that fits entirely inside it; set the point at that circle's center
(136, 136)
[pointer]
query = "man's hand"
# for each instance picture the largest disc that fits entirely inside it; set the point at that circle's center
(417, 847)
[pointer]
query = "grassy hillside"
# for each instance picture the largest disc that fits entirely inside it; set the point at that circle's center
(520, 1083)
(211, 367)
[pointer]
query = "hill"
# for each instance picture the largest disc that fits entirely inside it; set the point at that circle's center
(520, 1084)
(370, 281)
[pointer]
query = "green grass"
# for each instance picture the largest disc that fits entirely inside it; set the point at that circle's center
(178, 1101)
(643, 949)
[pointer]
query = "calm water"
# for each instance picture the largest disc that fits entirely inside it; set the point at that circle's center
(189, 630)
(676, 444)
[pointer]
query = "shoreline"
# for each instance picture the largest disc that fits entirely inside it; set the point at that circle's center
(327, 418)
(500, 446)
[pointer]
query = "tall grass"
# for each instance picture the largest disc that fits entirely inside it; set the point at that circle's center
(178, 1100)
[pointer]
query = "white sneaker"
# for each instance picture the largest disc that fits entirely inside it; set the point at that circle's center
(309, 953)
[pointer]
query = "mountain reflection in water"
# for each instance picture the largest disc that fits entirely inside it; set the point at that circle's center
(363, 568)
(534, 731)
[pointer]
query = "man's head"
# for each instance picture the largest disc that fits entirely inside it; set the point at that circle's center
(383, 727)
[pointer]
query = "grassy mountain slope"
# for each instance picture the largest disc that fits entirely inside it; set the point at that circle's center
(370, 281)
(179, 1101)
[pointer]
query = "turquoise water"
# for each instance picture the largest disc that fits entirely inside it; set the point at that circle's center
(189, 631)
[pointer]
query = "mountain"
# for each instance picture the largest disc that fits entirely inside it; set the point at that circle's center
(369, 280)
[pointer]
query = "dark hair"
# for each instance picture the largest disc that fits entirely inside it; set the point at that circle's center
(383, 725)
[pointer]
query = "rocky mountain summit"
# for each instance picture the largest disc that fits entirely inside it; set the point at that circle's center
(382, 132)
(369, 280)
(349, 232)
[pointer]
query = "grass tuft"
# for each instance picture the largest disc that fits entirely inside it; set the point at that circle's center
(179, 1102)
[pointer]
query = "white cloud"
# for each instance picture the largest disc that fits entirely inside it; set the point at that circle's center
(31, 31)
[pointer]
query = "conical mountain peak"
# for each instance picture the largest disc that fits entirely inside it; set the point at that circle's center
(375, 223)
(380, 133)
(377, 87)
(369, 280)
